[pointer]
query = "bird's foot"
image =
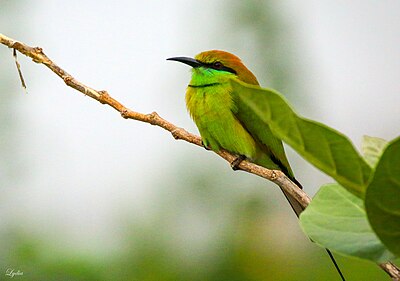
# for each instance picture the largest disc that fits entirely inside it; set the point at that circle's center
(205, 146)
(236, 162)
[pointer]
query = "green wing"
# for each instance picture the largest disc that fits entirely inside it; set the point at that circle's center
(273, 153)
(270, 145)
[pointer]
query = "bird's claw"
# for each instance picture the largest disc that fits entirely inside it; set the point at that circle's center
(236, 162)
(205, 146)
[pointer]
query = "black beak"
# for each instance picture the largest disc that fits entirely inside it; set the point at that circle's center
(188, 61)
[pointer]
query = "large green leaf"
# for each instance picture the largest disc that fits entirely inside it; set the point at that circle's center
(324, 147)
(382, 199)
(372, 149)
(336, 219)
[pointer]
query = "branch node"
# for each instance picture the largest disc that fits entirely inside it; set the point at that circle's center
(125, 113)
(38, 50)
(103, 96)
(274, 176)
(15, 45)
(39, 56)
(175, 133)
(67, 79)
(153, 118)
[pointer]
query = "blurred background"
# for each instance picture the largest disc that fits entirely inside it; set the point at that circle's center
(87, 195)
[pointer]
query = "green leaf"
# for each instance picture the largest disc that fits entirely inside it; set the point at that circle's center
(336, 219)
(382, 199)
(324, 147)
(372, 149)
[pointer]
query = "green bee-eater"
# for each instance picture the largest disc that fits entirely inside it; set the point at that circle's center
(226, 122)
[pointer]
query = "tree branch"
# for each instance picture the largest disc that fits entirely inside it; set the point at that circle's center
(38, 56)
(276, 176)
(391, 269)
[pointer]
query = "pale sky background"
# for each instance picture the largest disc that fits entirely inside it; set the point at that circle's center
(80, 158)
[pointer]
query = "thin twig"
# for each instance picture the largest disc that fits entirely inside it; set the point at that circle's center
(21, 77)
(276, 176)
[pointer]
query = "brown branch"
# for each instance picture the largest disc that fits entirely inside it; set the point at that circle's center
(392, 270)
(276, 176)
(38, 56)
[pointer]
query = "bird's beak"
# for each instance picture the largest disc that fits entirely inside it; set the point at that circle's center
(189, 61)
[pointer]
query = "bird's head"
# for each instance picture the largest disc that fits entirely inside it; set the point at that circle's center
(215, 67)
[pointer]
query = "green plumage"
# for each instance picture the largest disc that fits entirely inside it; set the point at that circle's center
(224, 121)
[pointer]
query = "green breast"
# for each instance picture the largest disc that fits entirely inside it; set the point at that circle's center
(212, 109)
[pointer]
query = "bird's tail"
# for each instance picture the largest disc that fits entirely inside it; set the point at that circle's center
(298, 208)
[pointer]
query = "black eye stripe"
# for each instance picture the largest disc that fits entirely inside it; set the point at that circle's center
(219, 67)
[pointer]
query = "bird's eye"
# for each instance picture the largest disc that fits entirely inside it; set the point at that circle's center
(217, 65)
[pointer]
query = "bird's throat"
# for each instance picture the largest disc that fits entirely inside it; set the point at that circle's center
(207, 77)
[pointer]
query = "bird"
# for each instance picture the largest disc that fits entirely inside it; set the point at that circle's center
(225, 122)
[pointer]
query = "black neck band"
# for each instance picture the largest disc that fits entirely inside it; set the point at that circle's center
(204, 85)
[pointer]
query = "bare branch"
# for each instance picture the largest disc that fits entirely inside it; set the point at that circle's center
(392, 270)
(38, 56)
(276, 176)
